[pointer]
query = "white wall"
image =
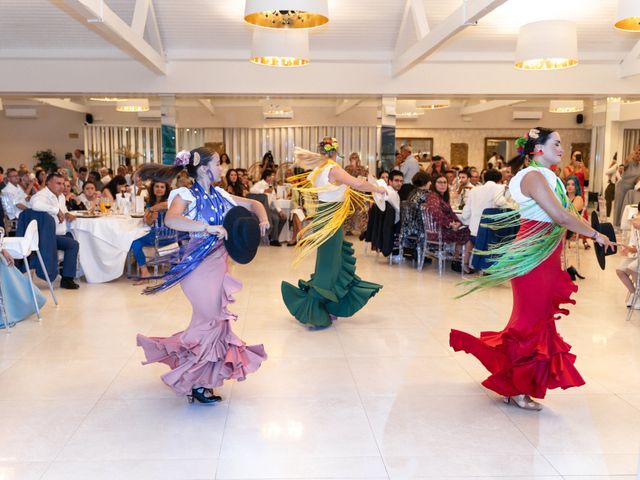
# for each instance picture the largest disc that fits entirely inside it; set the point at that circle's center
(21, 138)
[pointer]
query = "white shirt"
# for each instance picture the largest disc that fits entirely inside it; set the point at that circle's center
(187, 196)
(409, 168)
(260, 187)
(329, 192)
(489, 195)
(46, 201)
(394, 199)
(14, 195)
(529, 209)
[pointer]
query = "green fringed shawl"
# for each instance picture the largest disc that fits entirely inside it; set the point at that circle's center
(517, 257)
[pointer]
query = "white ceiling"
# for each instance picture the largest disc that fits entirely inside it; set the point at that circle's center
(358, 29)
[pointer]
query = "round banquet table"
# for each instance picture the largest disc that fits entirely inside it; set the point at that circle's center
(104, 244)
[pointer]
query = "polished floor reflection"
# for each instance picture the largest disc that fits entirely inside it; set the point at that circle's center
(376, 396)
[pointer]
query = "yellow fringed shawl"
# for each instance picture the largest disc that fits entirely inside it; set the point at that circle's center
(325, 218)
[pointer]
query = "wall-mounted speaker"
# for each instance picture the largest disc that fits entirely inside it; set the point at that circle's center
(579, 118)
(88, 118)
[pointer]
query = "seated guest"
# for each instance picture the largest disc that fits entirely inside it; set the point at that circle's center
(234, 184)
(117, 185)
(83, 176)
(396, 180)
(15, 198)
(421, 183)
(123, 171)
(51, 201)
(277, 218)
(158, 197)
(89, 196)
(437, 205)
(95, 178)
(141, 188)
(490, 195)
(71, 201)
(41, 179)
(627, 271)
(459, 195)
(27, 183)
(16, 292)
(106, 174)
(474, 176)
(244, 178)
(451, 176)
(183, 180)
(384, 175)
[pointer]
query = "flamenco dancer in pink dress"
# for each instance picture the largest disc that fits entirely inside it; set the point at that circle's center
(208, 351)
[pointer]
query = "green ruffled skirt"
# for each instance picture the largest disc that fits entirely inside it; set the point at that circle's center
(334, 289)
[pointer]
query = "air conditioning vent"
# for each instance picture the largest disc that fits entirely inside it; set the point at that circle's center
(526, 115)
(151, 115)
(12, 112)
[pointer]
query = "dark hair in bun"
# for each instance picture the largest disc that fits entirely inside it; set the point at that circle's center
(166, 173)
(527, 146)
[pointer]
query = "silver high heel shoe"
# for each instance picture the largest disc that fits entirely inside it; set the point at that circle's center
(523, 401)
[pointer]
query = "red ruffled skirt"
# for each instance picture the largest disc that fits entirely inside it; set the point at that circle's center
(529, 356)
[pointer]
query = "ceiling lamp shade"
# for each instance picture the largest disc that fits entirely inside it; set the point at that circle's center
(133, 105)
(106, 99)
(566, 106)
(280, 48)
(628, 17)
(432, 104)
(286, 13)
(407, 110)
(547, 45)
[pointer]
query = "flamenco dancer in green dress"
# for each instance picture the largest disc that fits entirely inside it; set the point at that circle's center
(334, 289)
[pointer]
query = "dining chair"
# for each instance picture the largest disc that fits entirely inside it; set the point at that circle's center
(435, 245)
(412, 232)
(21, 248)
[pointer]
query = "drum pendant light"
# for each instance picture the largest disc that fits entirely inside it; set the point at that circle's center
(547, 45)
(280, 48)
(628, 18)
(286, 13)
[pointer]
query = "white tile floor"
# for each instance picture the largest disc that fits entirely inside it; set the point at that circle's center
(379, 395)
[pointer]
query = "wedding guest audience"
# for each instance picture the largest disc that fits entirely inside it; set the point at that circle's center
(474, 176)
(41, 179)
(438, 166)
(89, 196)
(233, 183)
(15, 198)
(225, 164)
(409, 165)
(244, 178)
(277, 218)
(357, 221)
(83, 176)
(123, 171)
(71, 201)
(94, 177)
(438, 207)
(51, 200)
(78, 158)
(117, 185)
(627, 271)
(451, 176)
(158, 204)
(421, 183)
(105, 175)
(384, 175)
(396, 180)
(27, 183)
(141, 188)
(490, 195)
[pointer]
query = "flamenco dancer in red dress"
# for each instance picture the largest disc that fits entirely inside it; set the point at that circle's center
(529, 356)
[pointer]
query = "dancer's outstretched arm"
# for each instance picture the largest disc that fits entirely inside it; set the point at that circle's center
(338, 175)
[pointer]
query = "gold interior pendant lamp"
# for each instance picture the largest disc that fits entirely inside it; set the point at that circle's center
(286, 13)
(628, 18)
(280, 48)
(547, 45)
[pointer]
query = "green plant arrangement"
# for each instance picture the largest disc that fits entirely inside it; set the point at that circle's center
(46, 160)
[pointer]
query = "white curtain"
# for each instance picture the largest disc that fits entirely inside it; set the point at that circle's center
(631, 139)
(246, 146)
(105, 145)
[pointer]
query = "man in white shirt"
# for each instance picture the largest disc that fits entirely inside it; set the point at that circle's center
(410, 166)
(51, 201)
(277, 218)
(395, 182)
(15, 197)
(489, 195)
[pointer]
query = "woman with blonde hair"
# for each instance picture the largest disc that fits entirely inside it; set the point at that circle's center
(358, 220)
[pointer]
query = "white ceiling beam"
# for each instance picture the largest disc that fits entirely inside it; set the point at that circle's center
(414, 11)
(630, 65)
(345, 105)
(206, 103)
(487, 106)
(468, 14)
(65, 104)
(140, 13)
(104, 21)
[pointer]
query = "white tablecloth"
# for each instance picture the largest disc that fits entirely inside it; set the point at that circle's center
(104, 243)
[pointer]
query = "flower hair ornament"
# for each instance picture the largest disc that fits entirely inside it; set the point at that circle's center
(182, 158)
(328, 145)
(521, 142)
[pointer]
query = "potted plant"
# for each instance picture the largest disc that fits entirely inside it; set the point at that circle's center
(46, 160)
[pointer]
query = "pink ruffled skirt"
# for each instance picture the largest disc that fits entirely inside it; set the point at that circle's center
(207, 352)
